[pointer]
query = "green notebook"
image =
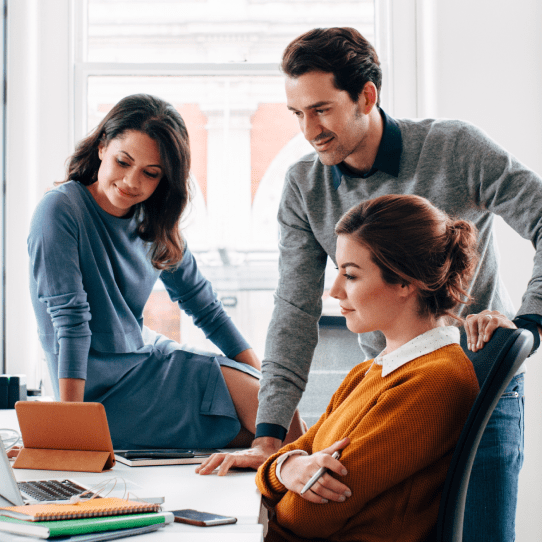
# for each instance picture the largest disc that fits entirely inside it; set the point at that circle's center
(49, 529)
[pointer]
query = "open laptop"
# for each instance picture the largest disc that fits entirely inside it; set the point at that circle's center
(49, 427)
(13, 493)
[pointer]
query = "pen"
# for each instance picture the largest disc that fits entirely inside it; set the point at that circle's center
(317, 475)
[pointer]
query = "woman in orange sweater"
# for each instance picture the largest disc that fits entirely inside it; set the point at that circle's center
(403, 267)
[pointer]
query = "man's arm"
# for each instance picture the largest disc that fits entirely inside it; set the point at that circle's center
(504, 186)
(291, 339)
(292, 335)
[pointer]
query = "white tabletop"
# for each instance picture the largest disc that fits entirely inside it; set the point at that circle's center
(232, 495)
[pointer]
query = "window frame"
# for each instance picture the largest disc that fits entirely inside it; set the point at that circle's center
(46, 112)
(3, 58)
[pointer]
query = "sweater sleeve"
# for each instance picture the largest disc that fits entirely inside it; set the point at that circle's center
(195, 295)
(293, 332)
(501, 184)
(57, 282)
(407, 431)
(266, 479)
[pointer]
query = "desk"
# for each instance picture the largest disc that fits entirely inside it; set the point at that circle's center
(232, 495)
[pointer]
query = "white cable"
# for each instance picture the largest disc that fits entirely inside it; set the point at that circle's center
(98, 489)
(11, 439)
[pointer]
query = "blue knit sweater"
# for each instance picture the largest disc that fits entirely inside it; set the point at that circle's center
(90, 277)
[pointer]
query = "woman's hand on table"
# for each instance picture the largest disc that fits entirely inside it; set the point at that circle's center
(480, 327)
(297, 470)
(252, 458)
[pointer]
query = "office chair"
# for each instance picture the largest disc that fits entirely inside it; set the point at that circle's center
(495, 366)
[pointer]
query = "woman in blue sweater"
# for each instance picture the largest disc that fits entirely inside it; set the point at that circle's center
(97, 245)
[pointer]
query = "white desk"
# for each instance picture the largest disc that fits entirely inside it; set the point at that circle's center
(232, 495)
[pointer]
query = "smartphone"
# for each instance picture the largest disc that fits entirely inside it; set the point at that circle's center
(202, 519)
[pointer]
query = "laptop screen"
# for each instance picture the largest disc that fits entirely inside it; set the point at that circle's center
(9, 491)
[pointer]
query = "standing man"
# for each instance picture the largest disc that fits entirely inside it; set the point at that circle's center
(333, 80)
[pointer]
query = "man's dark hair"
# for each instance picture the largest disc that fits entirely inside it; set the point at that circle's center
(344, 52)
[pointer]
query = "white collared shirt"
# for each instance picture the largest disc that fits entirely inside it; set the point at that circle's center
(419, 346)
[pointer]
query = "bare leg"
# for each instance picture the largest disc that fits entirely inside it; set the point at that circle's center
(243, 439)
(244, 390)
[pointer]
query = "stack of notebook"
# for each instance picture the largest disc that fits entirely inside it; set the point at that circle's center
(118, 517)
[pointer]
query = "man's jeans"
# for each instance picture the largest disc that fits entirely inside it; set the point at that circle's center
(490, 511)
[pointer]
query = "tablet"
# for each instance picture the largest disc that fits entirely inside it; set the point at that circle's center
(64, 436)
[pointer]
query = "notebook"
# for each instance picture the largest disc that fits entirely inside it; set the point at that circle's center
(101, 536)
(64, 436)
(13, 493)
(108, 506)
(49, 529)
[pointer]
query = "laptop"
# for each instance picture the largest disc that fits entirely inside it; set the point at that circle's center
(68, 437)
(13, 493)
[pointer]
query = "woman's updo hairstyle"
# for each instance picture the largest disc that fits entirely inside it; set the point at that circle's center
(159, 216)
(413, 242)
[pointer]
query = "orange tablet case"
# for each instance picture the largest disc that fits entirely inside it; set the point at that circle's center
(64, 436)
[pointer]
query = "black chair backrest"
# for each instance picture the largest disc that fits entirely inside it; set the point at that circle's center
(495, 366)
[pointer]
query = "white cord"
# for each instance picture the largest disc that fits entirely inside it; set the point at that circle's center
(10, 438)
(97, 490)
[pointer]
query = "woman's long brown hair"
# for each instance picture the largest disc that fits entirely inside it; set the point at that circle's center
(159, 216)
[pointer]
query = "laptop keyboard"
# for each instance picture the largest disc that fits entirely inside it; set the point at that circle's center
(51, 490)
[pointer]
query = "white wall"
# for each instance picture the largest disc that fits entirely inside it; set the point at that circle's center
(488, 70)
(38, 142)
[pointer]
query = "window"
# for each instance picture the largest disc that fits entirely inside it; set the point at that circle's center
(68, 61)
(217, 62)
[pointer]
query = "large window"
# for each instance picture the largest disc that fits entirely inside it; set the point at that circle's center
(217, 62)
(69, 61)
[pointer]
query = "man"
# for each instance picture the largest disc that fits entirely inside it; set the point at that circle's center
(333, 80)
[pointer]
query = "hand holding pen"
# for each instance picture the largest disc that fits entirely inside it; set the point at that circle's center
(308, 475)
(318, 474)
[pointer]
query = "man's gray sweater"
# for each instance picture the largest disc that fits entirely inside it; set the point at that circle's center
(454, 165)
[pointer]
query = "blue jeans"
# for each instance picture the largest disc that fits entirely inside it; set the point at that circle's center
(490, 512)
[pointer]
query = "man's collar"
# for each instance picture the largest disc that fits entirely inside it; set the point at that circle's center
(388, 157)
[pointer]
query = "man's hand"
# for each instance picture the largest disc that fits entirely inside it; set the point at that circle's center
(261, 449)
(480, 327)
(297, 470)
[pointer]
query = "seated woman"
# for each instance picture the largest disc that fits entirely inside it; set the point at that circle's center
(403, 267)
(97, 245)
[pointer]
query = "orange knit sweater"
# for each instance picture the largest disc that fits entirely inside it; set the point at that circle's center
(402, 429)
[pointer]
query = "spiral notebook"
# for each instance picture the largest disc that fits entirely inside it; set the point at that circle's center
(86, 509)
